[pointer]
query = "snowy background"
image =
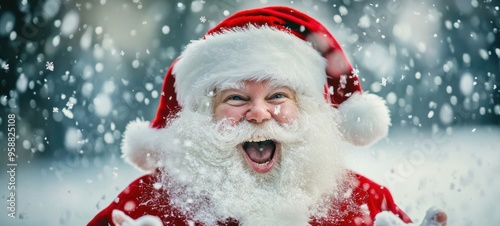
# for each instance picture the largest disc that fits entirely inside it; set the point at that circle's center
(76, 72)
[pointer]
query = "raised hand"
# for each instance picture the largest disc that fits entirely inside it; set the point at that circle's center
(121, 219)
(433, 217)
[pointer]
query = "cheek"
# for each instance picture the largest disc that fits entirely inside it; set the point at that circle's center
(234, 114)
(287, 113)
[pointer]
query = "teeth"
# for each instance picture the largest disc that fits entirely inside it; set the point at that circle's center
(264, 163)
(256, 139)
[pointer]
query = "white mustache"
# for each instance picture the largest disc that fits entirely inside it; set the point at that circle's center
(270, 130)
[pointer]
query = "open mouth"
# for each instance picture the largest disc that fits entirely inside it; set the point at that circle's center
(260, 154)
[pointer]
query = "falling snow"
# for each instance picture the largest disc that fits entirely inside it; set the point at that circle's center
(49, 66)
(67, 113)
(203, 19)
(342, 82)
(355, 72)
(277, 110)
(5, 66)
(384, 82)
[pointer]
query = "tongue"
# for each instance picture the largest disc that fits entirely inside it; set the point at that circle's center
(260, 152)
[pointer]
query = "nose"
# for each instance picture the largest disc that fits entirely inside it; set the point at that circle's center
(259, 112)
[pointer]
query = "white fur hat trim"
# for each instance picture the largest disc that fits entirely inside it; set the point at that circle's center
(241, 54)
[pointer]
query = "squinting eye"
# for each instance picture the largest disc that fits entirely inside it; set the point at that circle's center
(277, 96)
(235, 98)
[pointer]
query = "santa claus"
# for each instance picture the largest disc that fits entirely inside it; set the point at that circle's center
(251, 129)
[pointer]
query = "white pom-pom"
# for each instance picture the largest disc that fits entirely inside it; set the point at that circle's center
(365, 118)
(138, 145)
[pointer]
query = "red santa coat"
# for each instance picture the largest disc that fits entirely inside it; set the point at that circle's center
(135, 201)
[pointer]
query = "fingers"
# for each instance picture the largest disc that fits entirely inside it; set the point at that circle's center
(387, 218)
(435, 217)
(121, 219)
(441, 218)
(149, 221)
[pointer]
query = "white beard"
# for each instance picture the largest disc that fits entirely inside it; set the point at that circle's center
(209, 180)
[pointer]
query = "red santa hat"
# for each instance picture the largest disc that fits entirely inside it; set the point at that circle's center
(274, 43)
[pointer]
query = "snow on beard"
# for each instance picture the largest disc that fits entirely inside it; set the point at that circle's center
(209, 180)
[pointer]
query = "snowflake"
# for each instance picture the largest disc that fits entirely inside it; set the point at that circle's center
(343, 81)
(203, 19)
(49, 66)
(157, 185)
(356, 82)
(355, 72)
(55, 109)
(67, 113)
(122, 53)
(330, 90)
(384, 81)
(402, 77)
(277, 110)
(69, 105)
(5, 66)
